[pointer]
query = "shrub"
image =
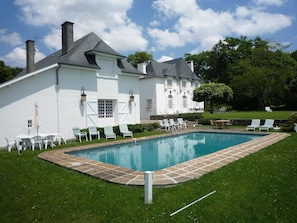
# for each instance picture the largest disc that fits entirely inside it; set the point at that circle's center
(136, 128)
(289, 126)
(191, 116)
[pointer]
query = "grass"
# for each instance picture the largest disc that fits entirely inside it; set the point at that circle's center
(277, 115)
(259, 188)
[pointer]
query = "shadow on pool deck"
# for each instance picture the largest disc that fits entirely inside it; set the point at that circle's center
(169, 176)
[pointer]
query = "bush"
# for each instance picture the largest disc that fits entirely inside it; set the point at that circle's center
(136, 128)
(289, 126)
(191, 116)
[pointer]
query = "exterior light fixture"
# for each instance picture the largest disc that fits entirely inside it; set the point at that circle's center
(83, 95)
(131, 96)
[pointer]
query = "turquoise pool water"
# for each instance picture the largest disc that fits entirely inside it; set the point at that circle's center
(159, 153)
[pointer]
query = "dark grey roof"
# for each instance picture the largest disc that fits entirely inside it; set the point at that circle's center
(177, 68)
(83, 54)
(127, 67)
(160, 69)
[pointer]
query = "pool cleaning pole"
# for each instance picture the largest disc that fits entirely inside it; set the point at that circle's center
(201, 198)
(148, 187)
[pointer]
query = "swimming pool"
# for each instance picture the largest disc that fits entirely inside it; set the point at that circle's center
(160, 153)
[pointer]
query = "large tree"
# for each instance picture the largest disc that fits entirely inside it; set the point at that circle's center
(7, 73)
(139, 57)
(213, 92)
(258, 71)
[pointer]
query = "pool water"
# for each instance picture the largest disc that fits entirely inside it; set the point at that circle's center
(160, 153)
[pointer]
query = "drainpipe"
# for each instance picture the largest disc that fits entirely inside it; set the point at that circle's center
(57, 74)
(57, 86)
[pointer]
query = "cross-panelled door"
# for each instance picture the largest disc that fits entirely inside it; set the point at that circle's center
(123, 106)
(92, 113)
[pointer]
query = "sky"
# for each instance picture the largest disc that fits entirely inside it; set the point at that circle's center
(165, 28)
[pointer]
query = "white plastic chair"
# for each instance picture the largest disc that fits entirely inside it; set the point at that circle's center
(79, 134)
(37, 141)
(254, 125)
(268, 109)
(108, 132)
(267, 125)
(125, 131)
(181, 123)
(173, 124)
(93, 131)
(49, 141)
(10, 143)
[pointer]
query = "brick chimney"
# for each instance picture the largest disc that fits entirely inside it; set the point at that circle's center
(67, 36)
(30, 51)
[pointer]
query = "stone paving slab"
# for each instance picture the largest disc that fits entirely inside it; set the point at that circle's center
(169, 176)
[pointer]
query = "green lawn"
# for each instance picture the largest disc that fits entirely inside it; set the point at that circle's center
(259, 188)
(277, 115)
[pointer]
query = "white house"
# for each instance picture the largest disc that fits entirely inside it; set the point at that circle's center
(88, 67)
(167, 88)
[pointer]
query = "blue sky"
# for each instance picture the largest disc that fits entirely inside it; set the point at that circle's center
(165, 28)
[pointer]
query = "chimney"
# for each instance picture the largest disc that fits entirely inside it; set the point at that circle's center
(191, 65)
(142, 67)
(67, 36)
(30, 51)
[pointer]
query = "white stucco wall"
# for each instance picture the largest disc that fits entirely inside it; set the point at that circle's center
(156, 88)
(60, 106)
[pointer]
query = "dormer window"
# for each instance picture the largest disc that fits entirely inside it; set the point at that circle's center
(108, 67)
(183, 85)
(169, 83)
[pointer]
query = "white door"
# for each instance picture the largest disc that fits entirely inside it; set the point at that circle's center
(92, 113)
(123, 106)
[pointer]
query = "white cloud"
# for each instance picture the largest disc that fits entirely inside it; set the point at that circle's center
(204, 27)
(108, 19)
(12, 39)
(17, 57)
(165, 58)
(255, 22)
(269, 2)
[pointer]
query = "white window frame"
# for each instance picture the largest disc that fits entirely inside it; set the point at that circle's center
(185, 101)
(105, 108)
(183, 85)
(149, 104)
(170, 101)
(169, 83)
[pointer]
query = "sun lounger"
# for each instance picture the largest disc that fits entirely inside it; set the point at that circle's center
(254, 125)
(267, 125)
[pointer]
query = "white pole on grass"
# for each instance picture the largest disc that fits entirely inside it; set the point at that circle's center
(148, 187)
(192, 203)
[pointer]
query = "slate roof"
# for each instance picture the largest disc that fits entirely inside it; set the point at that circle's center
(83, 54)
(177, 68)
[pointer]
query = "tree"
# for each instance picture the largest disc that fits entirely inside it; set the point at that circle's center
(139, 57)
(7, 73)
(213, 92)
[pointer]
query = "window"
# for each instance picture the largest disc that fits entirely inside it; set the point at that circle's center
(105, 109)
(184, 101)
(170, 101)
(169, 83)
(149, 104)
(184, 85)
(107, 67)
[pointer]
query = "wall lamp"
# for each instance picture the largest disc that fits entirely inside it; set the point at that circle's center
(131, 96)
(83, 94)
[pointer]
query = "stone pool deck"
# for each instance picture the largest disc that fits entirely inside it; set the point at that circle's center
(169, 176)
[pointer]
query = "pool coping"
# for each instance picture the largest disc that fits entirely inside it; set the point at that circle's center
(173, 175)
